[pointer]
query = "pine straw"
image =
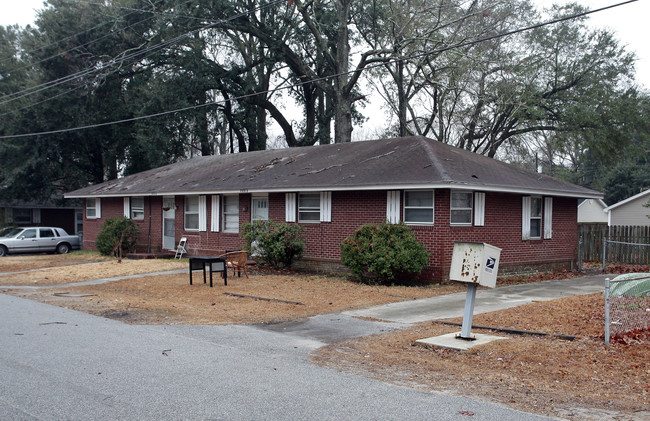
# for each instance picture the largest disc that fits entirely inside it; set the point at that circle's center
(79, 272)
(19, 263)
(170, 299)
(581, 379)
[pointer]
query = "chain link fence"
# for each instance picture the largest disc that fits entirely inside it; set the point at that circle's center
(627, 305)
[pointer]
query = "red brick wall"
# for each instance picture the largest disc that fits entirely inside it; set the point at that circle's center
(352, 209)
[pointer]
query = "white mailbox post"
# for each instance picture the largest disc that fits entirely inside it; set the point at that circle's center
(475, 264)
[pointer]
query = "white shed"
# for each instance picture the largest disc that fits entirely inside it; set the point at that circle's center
(592, 211)
(630, 211)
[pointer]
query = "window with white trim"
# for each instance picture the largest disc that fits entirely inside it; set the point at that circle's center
(535, 217)
(137, 208)
(461, 206)
(309, 207)
(93, 208)
(230, 208)
(418, 207)
(191, 213)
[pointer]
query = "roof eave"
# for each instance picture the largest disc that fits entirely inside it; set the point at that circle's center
(409, 186)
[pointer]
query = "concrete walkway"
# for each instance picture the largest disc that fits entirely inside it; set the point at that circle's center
(487, 300)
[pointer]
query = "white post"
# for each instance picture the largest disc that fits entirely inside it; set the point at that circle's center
(465, 333)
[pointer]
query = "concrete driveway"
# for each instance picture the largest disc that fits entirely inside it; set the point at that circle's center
(61, 364)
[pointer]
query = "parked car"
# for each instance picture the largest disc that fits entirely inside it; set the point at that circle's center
(37, 240)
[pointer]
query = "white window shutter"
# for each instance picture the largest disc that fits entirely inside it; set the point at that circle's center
(525, 218)
(36, 216)
(326, 206)
(214, 214)
(9, 215)
(392, 206)
(98, 204)
(479, 209)
(127, 207)
(548, 217)
(203, 214)
(290, 207)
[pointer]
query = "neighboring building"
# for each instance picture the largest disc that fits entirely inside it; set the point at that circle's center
(27, 214)
(443, 193)
(630, 211)
(592, 211)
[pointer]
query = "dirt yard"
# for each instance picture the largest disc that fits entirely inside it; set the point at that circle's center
(581, 379)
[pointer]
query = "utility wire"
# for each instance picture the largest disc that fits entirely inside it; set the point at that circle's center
(69, 37)
(65, 79)
(143, 10)
(97, 68)
(437, 51)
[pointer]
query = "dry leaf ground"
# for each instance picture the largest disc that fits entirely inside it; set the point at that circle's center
(581, 379)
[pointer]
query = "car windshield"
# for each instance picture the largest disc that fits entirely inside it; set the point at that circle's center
(14, 232)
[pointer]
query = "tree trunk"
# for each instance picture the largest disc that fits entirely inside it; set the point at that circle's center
(342, 96)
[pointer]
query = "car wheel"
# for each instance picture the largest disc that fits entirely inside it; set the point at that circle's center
(63, 248)
(3, 251)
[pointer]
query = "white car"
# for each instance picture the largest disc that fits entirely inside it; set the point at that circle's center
(37, 240)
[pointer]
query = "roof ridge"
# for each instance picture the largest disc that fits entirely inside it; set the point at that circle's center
(428, 147)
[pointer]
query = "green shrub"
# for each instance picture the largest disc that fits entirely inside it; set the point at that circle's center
(384, 252)
(276, 243)
(117, 237)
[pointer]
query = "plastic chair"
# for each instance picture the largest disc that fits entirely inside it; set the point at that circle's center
(236, 260)
(180, 249)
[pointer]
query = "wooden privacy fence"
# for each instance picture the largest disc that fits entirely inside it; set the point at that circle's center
(623, 243)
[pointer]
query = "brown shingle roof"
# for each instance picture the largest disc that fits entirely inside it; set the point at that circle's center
(408, 162)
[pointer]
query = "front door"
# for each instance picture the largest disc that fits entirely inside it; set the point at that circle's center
(260, 207)
(169, 223)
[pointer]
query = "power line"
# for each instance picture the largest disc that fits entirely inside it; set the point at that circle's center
(74, 36)
(142, 10)
(437, 51)
(50, 84)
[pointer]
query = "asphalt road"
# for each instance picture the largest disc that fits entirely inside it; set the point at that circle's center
(61, 364)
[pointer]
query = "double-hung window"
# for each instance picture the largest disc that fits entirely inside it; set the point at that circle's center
(531, 222)
(418, 207)
(309, 207)
(230, 213)
(137, 208)
(93, 208)
(191, 213)
(535, 217)
(461, 207)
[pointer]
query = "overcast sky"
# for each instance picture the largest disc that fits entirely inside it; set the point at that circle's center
(629, 21)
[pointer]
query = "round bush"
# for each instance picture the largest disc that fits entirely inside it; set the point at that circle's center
(117, 237)
(384, 252)
(277, 244)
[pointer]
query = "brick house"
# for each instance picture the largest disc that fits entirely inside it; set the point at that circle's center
(443, 193)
